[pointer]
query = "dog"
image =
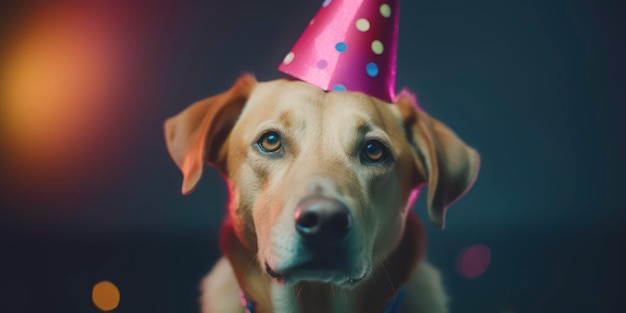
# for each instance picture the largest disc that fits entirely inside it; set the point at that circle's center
(321, 188)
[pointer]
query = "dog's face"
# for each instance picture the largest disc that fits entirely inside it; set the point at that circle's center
(297, 149)
(320, 181)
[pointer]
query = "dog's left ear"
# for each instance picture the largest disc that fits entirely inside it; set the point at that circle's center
(448, 165)
(197, 134)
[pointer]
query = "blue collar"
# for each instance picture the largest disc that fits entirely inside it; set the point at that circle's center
(393, 307)
(395, 304)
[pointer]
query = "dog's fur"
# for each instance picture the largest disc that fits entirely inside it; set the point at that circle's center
(322, 133)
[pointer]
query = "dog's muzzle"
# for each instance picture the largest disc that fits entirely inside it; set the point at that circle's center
(324, 247)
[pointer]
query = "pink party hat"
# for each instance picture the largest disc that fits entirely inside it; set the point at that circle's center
(349, 45)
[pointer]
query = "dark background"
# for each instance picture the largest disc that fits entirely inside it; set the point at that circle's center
(535, 86)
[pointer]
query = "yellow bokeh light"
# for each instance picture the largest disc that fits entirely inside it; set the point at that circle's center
(105, 296)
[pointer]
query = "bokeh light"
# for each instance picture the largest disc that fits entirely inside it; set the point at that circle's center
(473, 261)
(105, 296)
(64, 74)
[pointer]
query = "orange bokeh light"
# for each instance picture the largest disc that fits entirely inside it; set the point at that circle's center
(55, 74)
(62, 76)
(105, 296)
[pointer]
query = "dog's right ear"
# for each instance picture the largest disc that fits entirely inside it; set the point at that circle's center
(197, 134)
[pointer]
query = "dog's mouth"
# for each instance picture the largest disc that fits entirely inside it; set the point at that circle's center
(273, 274)
(283, 277)
(351, 282)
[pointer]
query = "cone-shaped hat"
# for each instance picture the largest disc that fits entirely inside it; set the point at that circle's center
(349, 45)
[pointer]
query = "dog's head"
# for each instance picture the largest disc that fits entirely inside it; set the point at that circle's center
(321, 182)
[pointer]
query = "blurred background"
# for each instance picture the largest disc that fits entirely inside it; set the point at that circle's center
(89, 193)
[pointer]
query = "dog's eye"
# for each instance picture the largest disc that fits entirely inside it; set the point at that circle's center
(374, 151)
(270, 142)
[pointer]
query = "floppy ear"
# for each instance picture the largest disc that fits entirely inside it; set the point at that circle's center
(197, 134)
(449, 166)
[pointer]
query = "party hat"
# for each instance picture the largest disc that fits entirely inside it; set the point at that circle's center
(349, 45)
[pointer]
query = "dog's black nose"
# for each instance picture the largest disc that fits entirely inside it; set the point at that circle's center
(322, 220)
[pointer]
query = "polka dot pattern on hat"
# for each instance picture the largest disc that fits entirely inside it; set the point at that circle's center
(289, 58)
(339, 87)
(372, 69)
(363, 24)
(378, 47)
(341, 46)
(350, 46)
(385, 10)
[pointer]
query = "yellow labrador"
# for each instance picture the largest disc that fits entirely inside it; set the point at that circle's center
(321, 190)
